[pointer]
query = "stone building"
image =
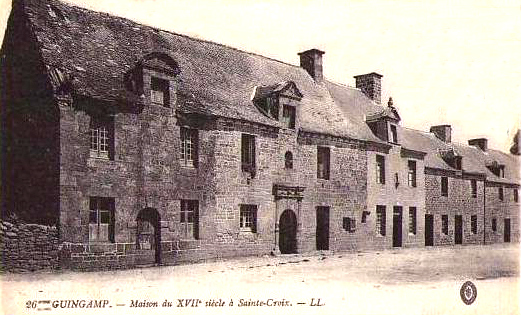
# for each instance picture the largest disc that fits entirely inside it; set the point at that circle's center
(145, 146)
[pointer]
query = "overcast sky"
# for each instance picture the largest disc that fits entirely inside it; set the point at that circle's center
(443, 62)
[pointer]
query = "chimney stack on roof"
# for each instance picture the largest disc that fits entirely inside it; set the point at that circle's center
(442, 132)
(371, 85)
(311, 61)
(481, 143)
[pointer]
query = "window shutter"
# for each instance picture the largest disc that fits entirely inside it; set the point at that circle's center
(195, 146)
(254, 219)
(196, 222)
(112, 221)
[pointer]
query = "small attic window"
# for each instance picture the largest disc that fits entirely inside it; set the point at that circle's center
(159, 92)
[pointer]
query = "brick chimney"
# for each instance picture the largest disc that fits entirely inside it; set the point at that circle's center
(371, 85)
(442, 132)
(311, 61)
(481, 143)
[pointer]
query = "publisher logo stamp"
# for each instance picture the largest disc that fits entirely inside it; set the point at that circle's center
(468, 293)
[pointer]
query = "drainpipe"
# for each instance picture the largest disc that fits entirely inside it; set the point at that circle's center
(484, 209)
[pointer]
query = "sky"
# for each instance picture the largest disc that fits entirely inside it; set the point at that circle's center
(443, 62)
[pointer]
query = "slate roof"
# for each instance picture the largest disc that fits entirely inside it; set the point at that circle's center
(98, 49)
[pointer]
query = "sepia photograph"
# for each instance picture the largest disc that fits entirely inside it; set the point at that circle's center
(260, 157)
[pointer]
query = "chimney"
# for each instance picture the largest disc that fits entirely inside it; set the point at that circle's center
(481, 143)
(311, 61)
(371, 85)
(442, 132)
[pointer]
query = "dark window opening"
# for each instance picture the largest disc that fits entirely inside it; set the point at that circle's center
(474, 188)
(474, 224)
(101, 219)
(248, 153)
(380, 220)
(101, 137)
(445, 224)
(288, 116)
(394, 134)
(365, 214)
(516, 195)
(412, 220)
(500, 193)
(323, 160)
(189, 147)
(494, 225)
(160, 92)
(189, 219)
(349, 224)
(380, 169)
(412, 173)
(457, 162)
(271, 106)
(444, 186)
(288, 160)
(248, 218)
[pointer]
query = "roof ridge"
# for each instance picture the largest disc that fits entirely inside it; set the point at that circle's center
(155, 28)
(343, 85)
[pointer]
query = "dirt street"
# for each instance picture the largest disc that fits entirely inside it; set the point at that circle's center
(403, 281)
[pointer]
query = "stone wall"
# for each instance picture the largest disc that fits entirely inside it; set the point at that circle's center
(28, 247)
(458, 202)
(501, 210)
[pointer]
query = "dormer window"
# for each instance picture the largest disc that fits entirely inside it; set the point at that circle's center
(288, 116)
(394, 134)
(159, 92)
(279, 102)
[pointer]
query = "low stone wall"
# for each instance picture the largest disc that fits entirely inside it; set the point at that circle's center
(28, 247)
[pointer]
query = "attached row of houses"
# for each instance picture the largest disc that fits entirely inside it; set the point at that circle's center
(145, 146)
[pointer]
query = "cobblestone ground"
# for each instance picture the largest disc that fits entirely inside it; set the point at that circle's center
(403, 281)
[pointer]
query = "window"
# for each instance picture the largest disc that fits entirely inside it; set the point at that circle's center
(380, 220)
(288, 160)
(349, 224)
(365, 214)
(445, 224)
(457, 162)
(411, 176)
(248, 218)
(494, 225)
(380, 169)
(323, 157)
(502, 171)
(394, 134)
(248, 153)
(160, 92)
(101, 219)
(474, 188)
(189, 147)
(444, 186)
(500, 193)
(474, 224)
(516, 195)
(412, 220)
(272, 106)
(189, 219)
(101, 137)
(288, 116)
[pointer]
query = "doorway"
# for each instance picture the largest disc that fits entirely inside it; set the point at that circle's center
(506, 231)
(322, 228)
(429, 230)
(458, 229)
(397, 226)
(148, 239)
(288, 232)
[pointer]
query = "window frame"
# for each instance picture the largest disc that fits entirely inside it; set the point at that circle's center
(288, 160)
(394, 134)
(445, 224)
(381, 220)
(474, 188)
(501, 193)
(411, 173)
(444, 186)
(159, 85)
(96, 206)
(323, 162)
(189, 147)
(494, 225)
(189, 218)
(248, 218)
(516, 194)
(289, 121)
(474, 224)
(413, 220)
(248, 154)
(380, 169)
(101, 135)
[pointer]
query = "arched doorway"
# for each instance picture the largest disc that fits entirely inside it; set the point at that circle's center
(288, 232)
(148, 240)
